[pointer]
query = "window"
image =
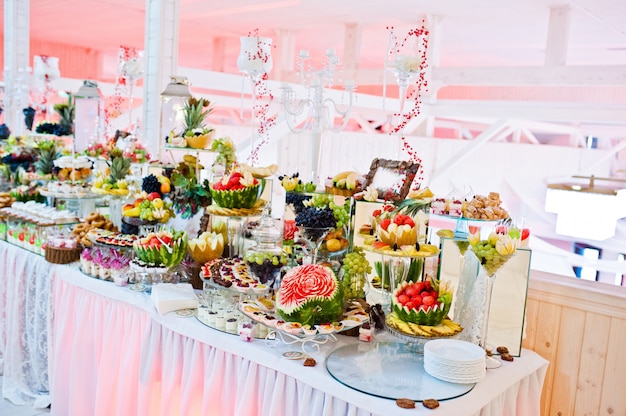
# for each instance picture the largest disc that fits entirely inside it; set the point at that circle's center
(589, 252)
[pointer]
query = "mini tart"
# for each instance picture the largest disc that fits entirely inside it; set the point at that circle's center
(292, 327)
(309, 330)
(325, 328)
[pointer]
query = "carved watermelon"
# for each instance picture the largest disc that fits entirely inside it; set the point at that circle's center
(163, 248)
(237, 198)
(310, 294)
(422, 303)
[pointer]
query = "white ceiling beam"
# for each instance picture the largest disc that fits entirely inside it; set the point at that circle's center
(533, 76)
(558, 35)
(555, 112)
(471, 148)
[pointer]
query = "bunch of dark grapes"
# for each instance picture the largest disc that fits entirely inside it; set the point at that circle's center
(296, 200)
(316, 220)
(150, 184)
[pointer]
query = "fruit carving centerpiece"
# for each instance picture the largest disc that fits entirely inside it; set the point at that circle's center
(421, 308)
(400, 230)
(310, 294)
(195, 133)
(162, 249)
(113, 182)
(208, 246)
(239, 189)
(423, 303)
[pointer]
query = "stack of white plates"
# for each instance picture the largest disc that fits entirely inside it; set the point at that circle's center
(454, 361)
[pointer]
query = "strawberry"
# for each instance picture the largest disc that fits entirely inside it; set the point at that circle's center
(399, 219)
(408, 221)
(411, 305)
(376, 213)
(417, 301)
(501, 229)
(388, 208)
(384, 224)
(525, 233)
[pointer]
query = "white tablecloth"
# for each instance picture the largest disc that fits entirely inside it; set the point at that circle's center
(114, 354)
(25, 324)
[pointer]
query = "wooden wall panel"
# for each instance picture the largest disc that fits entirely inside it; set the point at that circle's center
(566, 361)
(592, 363)
(613, 396)
(580, 327)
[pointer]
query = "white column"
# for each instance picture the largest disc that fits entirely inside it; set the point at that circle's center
(284, 55)
(558, 35)
(161, 61)
(351, 51)
(16, 63)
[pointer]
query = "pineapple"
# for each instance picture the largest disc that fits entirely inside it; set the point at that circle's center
(46, 154)
(195, 114)
(119, 165)
(66, 112)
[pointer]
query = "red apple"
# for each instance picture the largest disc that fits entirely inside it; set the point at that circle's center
(138, 202)
(128, 206)
(153, 195)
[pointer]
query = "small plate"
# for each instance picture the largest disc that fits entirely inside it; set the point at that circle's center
(293, 355)
(138, 287)
(184, 313)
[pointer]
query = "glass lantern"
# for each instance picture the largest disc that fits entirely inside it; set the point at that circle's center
(173, 100)
(89, 118)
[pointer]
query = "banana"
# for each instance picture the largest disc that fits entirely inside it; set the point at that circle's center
(352, 180)
(341, 175)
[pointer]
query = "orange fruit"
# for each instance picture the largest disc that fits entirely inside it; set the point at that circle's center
(333, 245)
(165, 188)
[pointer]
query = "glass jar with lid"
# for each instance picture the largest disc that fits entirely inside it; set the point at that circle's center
(266, 258)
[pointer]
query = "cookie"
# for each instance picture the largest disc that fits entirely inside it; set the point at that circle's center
(506, 356)
(310, 362)
(405, 403)
(502, 350)
(430, 403)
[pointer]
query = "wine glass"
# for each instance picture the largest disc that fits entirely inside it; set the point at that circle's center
(313, 238)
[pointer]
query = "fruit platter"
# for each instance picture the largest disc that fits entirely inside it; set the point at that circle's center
(395, 234)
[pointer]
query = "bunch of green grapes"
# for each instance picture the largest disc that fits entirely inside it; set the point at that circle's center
(355, 270)
(489, 256)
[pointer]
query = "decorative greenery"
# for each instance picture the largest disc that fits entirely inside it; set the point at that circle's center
(195, 112)
(46, 151)
(188, 195)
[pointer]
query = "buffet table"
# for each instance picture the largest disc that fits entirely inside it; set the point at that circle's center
(114, 354)
(25, 325)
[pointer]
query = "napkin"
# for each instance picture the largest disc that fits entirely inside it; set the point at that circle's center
(168, 297)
